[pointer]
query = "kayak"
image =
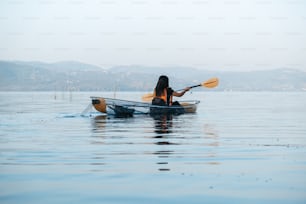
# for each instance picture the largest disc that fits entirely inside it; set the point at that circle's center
(129, 108)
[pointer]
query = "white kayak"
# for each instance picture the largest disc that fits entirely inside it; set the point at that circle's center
(129, 108)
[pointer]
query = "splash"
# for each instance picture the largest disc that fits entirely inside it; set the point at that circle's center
(86, 110)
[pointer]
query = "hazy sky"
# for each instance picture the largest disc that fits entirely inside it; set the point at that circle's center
(208, 34)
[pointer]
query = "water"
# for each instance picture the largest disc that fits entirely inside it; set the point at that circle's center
(238, 148)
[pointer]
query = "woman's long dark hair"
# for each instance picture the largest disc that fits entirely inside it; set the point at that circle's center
(163, 82)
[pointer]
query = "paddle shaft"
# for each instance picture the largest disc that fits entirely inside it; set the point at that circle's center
(191, 87)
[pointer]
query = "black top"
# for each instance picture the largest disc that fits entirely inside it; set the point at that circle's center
(169, 93)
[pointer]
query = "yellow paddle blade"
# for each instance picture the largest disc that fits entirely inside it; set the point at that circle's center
(147, 97)
(211, 83)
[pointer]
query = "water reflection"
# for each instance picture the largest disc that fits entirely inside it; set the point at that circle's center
(168, 137)
(98, 122)
(211, 134)
(211, 140)
(163, 125)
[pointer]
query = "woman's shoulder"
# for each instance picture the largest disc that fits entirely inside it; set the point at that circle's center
(170, 90)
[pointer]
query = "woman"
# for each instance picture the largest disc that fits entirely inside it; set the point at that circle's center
(163, 94)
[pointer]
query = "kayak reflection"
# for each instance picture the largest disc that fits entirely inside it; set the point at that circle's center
(163, 123)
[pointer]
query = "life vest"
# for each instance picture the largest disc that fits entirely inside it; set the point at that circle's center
(164, 97)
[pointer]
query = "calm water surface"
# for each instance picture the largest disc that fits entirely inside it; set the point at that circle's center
(238, 148)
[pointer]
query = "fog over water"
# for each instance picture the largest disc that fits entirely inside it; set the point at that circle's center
(210, 34)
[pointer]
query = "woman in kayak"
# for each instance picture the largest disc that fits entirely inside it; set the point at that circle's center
(163, 94)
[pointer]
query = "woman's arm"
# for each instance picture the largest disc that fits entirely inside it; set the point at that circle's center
(179, 94)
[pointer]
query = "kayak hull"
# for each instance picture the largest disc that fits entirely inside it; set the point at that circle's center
(129, 108)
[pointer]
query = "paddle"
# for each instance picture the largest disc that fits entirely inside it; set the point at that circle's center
(210, 83)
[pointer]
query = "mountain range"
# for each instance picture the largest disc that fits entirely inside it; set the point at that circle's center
(76, 76)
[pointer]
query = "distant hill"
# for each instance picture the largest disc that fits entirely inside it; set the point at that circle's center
(64, 66)
(76, 76)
